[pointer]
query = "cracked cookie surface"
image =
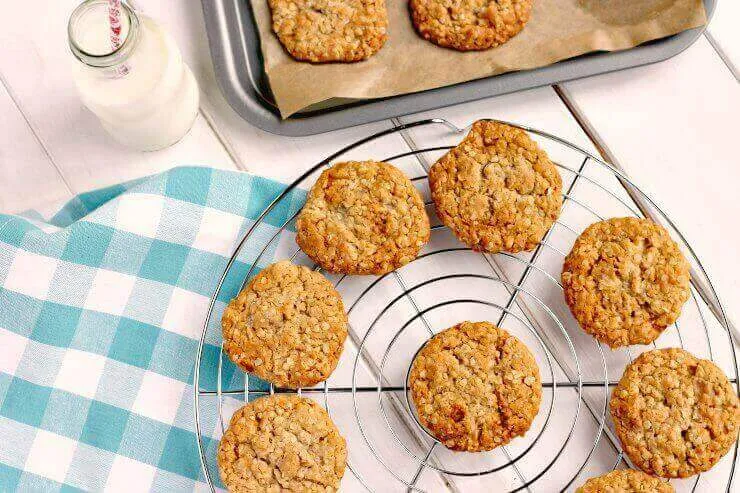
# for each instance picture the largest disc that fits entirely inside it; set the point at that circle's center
(625, 281)
(625, 481)
(676, 415)
(467, 25)
(287, 326)
(497, 190)
(475, 387)
(330, 30)
(282, 443)
(362, 218)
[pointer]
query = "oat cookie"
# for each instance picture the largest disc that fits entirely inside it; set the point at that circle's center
(287, 326)
(467, 25)
(625, 481)
(497, 190)
(282, 443)
(362, 218)
(676, 415)
(625, 281)
(330, 30)
(475, 387)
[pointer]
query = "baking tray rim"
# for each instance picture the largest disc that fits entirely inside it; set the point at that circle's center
(235, 74)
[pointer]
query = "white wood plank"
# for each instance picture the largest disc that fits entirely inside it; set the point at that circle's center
(35, 62)
(28, 178)
(538, 108)
(673, 127)
(723, 30)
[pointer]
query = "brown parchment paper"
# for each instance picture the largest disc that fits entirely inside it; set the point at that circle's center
(558, 29)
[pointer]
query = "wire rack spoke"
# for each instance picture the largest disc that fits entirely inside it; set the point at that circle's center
(520, 300)
(393, 388)
(421, 467)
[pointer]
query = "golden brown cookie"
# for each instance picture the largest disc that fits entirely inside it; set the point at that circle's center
(330, 30)
(497, 190)
(469, 24)
(625, 481)
(362, 218)
(475, 387)
(282, 443)
(676, 415)
(625, 281)
(287, 326)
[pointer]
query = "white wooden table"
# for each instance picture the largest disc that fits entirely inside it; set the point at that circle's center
(673, 127)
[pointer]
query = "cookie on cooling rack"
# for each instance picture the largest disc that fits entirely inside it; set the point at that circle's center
(475, 387)
(625, 281)
(282, 443)
(497, 190)
(467, 25)
(362, 218)
(625, 481)
(287, 326)
(330, 30)
(676, 415)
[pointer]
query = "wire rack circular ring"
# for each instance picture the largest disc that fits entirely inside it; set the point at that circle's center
(575, 386)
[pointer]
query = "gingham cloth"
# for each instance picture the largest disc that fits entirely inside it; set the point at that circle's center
(101, 311)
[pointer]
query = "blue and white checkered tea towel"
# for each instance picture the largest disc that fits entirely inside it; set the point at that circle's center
(101, 310)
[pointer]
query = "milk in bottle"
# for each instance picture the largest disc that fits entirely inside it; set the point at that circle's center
(135, 81)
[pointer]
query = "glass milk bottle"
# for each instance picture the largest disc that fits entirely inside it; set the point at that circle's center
(130, 73)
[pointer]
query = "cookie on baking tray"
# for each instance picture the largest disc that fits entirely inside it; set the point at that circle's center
(467, 25)
(625, 281)
(676, 415)
(362, 218)
(497, 190)
(282, 443)
(287, 326)
(330, 30)
(475, 387)
(625, 481)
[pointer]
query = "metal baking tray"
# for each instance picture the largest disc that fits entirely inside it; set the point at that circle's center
(237, 59)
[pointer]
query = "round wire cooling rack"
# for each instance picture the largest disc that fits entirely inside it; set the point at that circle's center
(388, 447)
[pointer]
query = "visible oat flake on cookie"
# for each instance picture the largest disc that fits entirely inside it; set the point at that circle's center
(282, 443)
(467, 25)
(497, 190)
(475, 387)
(362, 218)
(330, 30)
(287, 326)
(626, 481)
(625, 281)
(676, 415)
